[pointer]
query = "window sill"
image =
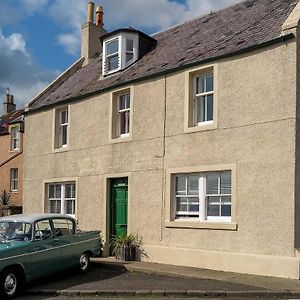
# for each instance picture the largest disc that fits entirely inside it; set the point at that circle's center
(121, 139)
(62, 149)
(202, 127)
(201, 225)
(15, 150)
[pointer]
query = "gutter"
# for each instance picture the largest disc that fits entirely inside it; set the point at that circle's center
(281, 39)
(11, 158)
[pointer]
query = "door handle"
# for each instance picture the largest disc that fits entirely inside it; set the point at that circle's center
(123, 225)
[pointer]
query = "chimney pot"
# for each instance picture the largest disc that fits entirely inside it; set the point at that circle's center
(90, 13)
(99, 16)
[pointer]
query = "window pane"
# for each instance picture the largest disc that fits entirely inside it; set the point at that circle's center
(201, 109)
(226, 199)
(112, 47)
(193, 204)
(194, 207)
(127, 117)
(70, 207)
(180, 185)
(210, 105)
(213, 210)
(129, 45)
(226, 210)
(128, 101)
(182, 204)
(226, 182)
(122, 102)
(64, 135)
(112, 62)
(200, 85)
(209, 83)
(122, 123)
(51, 191)
(68, 191)
(64, 117)
(58, 191)
(55, 206)
(129, 57)
(193, 185)
(212, 183)
(73, 190)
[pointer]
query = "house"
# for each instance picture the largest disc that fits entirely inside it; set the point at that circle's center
(11, 156)
(188, 137)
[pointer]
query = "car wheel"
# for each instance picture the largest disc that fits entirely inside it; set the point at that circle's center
(9, 283)
(84, 262)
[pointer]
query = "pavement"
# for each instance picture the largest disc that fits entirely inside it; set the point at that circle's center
(110, 278)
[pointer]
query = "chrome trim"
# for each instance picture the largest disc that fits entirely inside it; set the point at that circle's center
(45, 250)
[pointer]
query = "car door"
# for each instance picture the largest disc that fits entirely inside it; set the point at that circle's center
(45, 253)
(64, 233)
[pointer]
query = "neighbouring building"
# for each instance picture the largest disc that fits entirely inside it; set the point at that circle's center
(188, 137)
(11, 156)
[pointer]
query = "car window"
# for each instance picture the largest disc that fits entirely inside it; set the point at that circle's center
(63, 227)
(42, 230)
(18, 231)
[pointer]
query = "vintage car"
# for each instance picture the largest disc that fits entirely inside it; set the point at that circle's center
(32, 246)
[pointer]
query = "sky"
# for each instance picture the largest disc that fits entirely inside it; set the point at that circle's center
(39, 39)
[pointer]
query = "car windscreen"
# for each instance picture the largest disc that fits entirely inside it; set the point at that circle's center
(18, 231)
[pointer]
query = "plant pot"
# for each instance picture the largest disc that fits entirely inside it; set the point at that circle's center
(126, 253)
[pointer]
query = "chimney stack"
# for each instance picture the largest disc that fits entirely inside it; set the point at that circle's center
(90, 12)
(99, 16)
(8, 104)
(91, 45)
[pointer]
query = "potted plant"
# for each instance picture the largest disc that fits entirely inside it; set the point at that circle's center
(4, 202)
(127, 247)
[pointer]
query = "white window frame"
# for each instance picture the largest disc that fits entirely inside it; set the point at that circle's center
(15, 138)
(14, 180)
(201, 215)
(62, 199)
(122, 51)
(196, 100)
(126, 112)
(106, 56)
(63, 125)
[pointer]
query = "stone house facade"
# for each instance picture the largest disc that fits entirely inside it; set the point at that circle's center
(188, 138)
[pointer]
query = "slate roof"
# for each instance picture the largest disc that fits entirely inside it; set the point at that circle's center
(12, 117)
(233, 29)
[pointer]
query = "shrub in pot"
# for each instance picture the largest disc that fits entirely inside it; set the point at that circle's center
(127, 247)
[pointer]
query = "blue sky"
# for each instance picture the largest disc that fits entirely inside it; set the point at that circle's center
(41, 38)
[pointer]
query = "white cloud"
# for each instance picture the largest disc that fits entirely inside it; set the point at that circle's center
(14, 42)
(70, 41)
(18, 71)
(32, 6)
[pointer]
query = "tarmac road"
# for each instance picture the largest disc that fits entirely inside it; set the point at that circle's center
(117, 282)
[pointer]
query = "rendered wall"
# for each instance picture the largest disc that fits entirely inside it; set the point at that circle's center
(15, 163)
(255, 132)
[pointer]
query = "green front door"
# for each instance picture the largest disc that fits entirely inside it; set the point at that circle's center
(119, 204)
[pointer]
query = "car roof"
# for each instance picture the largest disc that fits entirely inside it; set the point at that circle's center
(31, 218)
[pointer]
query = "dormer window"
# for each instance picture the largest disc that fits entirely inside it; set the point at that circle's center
(119, 52)
(123, 47)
